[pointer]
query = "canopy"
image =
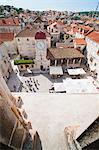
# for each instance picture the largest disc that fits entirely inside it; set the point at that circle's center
(79, 86)
(76, 71)
(28, 70)
(56, 70)
(59, 87)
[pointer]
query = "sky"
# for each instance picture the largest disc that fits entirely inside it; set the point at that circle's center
(69, 5)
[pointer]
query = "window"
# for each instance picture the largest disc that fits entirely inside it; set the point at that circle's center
(18, 40)
(27, 66)
(5, 61)
(32, 66)
(21, 66)
(27, 39)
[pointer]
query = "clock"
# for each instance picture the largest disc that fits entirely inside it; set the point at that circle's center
(40, 45)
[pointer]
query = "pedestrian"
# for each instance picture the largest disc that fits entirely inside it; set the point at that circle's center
(14, 87)
(30, 89)
(37, 82)
(33, 90)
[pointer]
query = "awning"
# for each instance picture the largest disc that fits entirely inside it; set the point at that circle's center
(79, 86)
(56, 70)
(59, 87)
(28, 70)
(77, 71)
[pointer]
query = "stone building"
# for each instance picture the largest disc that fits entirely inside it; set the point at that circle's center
(10, 25)
(15, 132)
(5, 65)
(92, 48)
(32, 44)
(65, 57)
(9, 42)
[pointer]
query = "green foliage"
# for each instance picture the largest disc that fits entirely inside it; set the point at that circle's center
(1, 9)
(76, 18)
(20, 62)
(8, 8)
(87, 13)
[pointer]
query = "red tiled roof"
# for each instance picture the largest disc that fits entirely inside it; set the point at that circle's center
(85, 27)
(1, 23)
(80, 41)
(60, 23)
(16, 21)
(30, 32)
(6, 36)
(40, 35)
(50, 21)
(1, 42)
(94, 36)
(73, 25)
(61, 53)
(9, 22)
(75, 29)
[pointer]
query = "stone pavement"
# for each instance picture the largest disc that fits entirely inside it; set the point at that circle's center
(49, 114)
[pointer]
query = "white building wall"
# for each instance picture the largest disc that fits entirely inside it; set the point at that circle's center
(52, 29)
(92, 49)
(11, 47)
(48, 42)
(26, 46)
(79, 35)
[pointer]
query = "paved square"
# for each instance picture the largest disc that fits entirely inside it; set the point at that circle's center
(51, 113)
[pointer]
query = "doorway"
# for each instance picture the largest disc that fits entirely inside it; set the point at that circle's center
(41, 67)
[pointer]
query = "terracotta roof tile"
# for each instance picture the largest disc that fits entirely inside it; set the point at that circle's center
(80, 41)
(1, 23)
(85, 27)
(75, 30)
(94, 36)
(9, 22)
(30, 32)
(60, 23)
(16, 21)
(6, 36)
(1, 42)
(61, 53)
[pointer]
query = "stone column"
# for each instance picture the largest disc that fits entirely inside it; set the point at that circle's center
(80, 61)
(73, 61)
(55, 62)
(61, 61)
(67, 62)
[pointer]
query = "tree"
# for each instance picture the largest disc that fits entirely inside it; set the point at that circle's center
(1, 9)
(20, 10)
